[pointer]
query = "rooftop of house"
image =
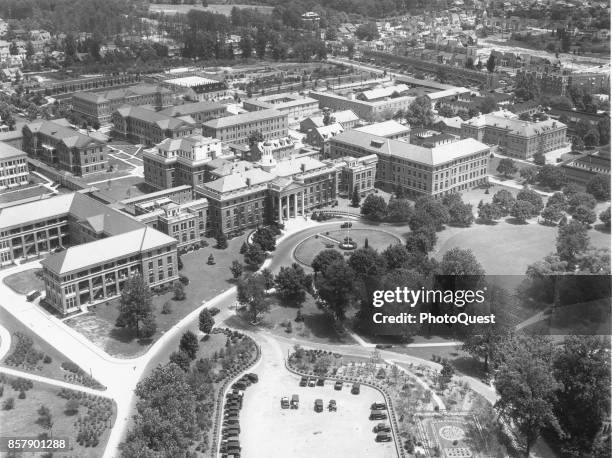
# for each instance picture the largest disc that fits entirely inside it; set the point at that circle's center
(515, 125)
(340, 117)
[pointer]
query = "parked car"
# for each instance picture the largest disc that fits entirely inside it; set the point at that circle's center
(318, 405)
(356, 388)
(304, 381)
(379, 406)
(383, 437)
(295, 401)
(382, 427)
(338, 385)
(312, 382)
(378, 415)
(332, 407)
(321, 382)
(285, 402)
(383, 346)
(31, 296)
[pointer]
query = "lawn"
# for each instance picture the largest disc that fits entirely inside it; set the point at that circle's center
(25, 281)
(21, 421)
(24, 193)
(52, 369)
(310, 247)
(316, 327)
(206, 282)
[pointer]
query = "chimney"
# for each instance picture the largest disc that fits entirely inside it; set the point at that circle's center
(248, 182)
(303, 167)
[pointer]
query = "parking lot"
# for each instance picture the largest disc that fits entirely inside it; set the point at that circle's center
(271, 431)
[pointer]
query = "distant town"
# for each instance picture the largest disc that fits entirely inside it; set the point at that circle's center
(202, 202)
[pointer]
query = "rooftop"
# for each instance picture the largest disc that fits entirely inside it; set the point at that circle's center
(385, 128)
(242, 118)
(7, 151)
(154, 117)
(191, 108)
(191, 81)
(57, 129)
(515, 125)
(237, 181)
(120, 94)
(397, 148)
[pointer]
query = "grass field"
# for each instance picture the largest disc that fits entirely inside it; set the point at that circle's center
(21, 421)
(25, 282)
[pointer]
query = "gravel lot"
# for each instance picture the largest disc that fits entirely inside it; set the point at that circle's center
(268, 430)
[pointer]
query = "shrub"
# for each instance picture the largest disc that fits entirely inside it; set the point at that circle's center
(22, 395)
(167, 308)
(47, 359)
(8, 404)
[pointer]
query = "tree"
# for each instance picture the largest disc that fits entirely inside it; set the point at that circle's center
(148, 328)
(236, 269)
(578, 199)
(419, 113)
(533, 198)
(221, 241)
(189, 344)
(505, 200)
(206, 321)
(491, 63)
(396, 256)
(355, 197)
(244, 247)
(135, 304)
(566, 41)
(599, 187)
(336, 287)
(246, 45)
(577, 144)
(265, 238)
(13, 49)
(557, 199)
(255, 256)
(603, 126)
(461, 214)
(72, 407)
(179, 291)
(446, 111)
(584, 214)
(506, 167)
(572, 240)
(324, 258)
(525, 117)
(446, 374)
(374, 208)
(459, 262)
(604, 216)
(291, 284)
(489, 213)
(522, 211)
(552, 214)
(29, 50)
(45, 419)
(487, 105)
(539, 158)
(251, 292)
(421, 241)
(529, 174)
(367, 262)
(527, 387)
(181, 359)
(367, 31)
(591, 138)
(429, 212)
(267, 278)
(399, 210)
(582, 368)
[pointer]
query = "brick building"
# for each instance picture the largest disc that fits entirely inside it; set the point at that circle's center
(199, 111)
(141, 125)
(61, 146)
(237, 128)
(13, 167)
(99, 106)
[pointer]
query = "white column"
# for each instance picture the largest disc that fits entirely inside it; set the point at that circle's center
(303, 202)
(280, 209)
(295, 209)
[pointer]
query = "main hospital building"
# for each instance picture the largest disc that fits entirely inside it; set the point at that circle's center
(217, 182)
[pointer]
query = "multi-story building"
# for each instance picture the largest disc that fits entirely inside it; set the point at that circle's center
(279, 148)
(388, 129)
(355, 173)
(199, 111)
(61, 146)
(174, 212)
(13, 167)
(91, 249)
(181, 161)
(198, 88)
(583, 169)
(370, 111)
(319, 136)
(555, 82)
(515, 137)
(237, 128)
(294, 105)
(417, 170)
(141, 125)
(273, 190)
(346, 118)
(99, 106)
